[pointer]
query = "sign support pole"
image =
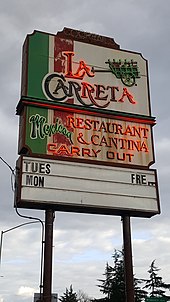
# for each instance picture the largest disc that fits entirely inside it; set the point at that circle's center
(129, 283)
(48, 246)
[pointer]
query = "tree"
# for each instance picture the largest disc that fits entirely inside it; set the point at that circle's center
(82, 297)
(113, 286)
(140, 293)
(69, 296)
(155, 284)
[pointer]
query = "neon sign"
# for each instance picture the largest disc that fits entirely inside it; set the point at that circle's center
(82, 70)
(127, 71)
(87, 137)
(62, 71)
(40, 128)
(58, 87)
(103, 135)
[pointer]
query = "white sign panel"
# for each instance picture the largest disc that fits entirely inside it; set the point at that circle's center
(97, 77)
(85, 188)
(66, 69)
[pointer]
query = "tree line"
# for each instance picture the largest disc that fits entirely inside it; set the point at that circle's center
(112, 286)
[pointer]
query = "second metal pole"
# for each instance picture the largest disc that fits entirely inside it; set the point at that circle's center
(48, 246)
(129, 282)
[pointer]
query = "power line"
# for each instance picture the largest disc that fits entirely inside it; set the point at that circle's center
(12, 170)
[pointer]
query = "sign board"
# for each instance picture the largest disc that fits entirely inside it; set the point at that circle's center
(85, 70)
(76, 135)
(85, 100)
(156, 299)
(85, 188)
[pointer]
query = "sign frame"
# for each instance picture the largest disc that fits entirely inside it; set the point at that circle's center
(67, 77)
(77, 185)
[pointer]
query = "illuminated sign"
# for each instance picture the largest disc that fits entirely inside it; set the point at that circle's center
(127, 71)
(60, 69)
(86, 188)
(85, 134)
(58, 88)
(78, 136)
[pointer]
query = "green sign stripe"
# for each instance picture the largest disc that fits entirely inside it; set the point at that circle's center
(36, 145)
(156, 299)
(38, 61)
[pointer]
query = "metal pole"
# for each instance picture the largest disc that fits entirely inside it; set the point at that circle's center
(129, 282)
(48, 245)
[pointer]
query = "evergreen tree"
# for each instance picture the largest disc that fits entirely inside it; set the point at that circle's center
(113, 286)
(69, 296)
(140, 293)
(106, 286)
(155, 284)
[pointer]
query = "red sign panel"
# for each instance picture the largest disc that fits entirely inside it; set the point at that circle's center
(78, 136)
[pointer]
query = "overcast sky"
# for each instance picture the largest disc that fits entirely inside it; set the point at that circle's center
(82, 243)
